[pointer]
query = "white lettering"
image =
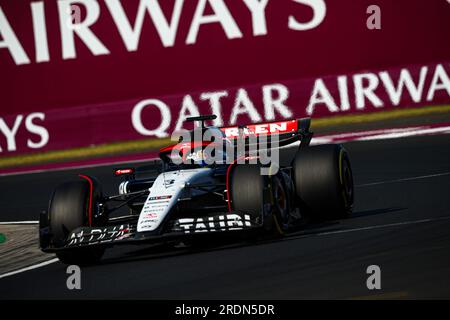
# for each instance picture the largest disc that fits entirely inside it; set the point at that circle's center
(38, 130)
(395, 94)
(362, 92)
(258, 10)
(188, 109)
(221, 15)
(40, 32)
(243, 105)
(343, 93)
(271, 103)
(68, 28)
(321, 94)
(442, 76)
(136, 118)
(11, 42)
(10, 134)
(131, 35)
(319, 8)
(215, 105)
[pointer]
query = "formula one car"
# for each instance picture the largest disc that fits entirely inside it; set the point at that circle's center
(189, 199)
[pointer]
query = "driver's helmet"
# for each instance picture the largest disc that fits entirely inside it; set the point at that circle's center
(194, 152)
(203, 159)
(197, 157)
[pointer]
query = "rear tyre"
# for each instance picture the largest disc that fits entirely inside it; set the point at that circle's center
(324, 181)
(68, 210)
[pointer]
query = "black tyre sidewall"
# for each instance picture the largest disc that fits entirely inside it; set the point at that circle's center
(317, 175)
(247, 189)
(68, 209)
(247, 194)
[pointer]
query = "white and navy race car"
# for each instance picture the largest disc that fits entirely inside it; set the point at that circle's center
(189, 197)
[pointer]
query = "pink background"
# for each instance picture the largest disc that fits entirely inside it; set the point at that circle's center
(88, 100)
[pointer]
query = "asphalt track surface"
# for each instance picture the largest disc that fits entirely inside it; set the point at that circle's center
(401, 223)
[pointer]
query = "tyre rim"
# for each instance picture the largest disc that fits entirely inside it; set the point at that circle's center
(348, 181)
(281, 202)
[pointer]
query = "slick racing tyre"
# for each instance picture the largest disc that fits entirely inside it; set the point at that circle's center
(247, 189)
(68, 210)
(247, 194)
(324, 181)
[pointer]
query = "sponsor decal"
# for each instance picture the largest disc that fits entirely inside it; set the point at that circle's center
(74, 27)
(227, 222)
(273, 104)
(82, 38)
(120, 172)
(159, 197)
(262, 129)
(147, 223)
(99, 235)
(23, 132)
(153, 211)
(150, 215)
(346, 94)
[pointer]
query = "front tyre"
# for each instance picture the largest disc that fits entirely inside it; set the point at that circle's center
(247, 190)
(71, 207)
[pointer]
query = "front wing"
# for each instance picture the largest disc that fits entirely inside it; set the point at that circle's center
(126, 233)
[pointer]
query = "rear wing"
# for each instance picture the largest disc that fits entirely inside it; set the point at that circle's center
(288, 131)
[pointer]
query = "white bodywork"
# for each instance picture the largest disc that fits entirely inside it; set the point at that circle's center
(165, 193)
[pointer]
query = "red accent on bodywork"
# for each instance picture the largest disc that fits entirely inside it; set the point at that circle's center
(119, 172)
(91, 192)
(184, 145)
(167, 149)
(279, 127)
